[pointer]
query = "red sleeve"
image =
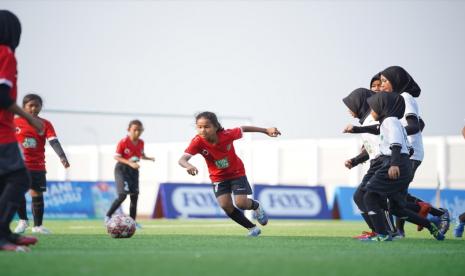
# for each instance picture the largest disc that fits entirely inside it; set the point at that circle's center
(120, 148)
(49, 130)
(142, 146)
(7, 66)
(234, 133)
(193, 147)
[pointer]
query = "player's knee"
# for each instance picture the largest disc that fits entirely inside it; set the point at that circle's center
(243, 204)
(122, 197)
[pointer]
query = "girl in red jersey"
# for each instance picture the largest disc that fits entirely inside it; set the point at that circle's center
(14, 177)
(33, 146)
(226, 169)
(129, 152)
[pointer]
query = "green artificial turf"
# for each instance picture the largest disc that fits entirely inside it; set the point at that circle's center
(219, 247)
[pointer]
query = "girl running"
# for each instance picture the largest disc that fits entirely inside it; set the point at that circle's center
(129, 152)
(226, 169)
(33, 146)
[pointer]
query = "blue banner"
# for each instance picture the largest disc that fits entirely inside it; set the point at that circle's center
(76, 200)
(293, 202)
(183, 200)
(451, 199)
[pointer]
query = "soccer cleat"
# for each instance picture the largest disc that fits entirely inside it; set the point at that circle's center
(22, 226)
(365, 235)
(8, 246)
(398, 235)
(41, 230)
(444, 221)
(262, 218)
(425, 207)
(378, 238)
(22, 240)
(458, 230)
(435, 232)
(254, 232)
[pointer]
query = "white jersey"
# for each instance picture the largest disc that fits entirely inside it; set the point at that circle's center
(370, 141)
(416, 140)
(392, 132)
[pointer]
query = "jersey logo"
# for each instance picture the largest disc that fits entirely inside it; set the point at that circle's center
(205, 152)
(127, 151)
(30, 143)
(222, 163)
(18, 130)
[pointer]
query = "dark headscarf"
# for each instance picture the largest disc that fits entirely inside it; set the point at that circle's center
(401, 81)
(10, 29)
(387, 105)
(356, 101)
(375, 78)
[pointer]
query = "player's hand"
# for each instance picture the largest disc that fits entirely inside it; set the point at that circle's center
(134, 165)
(394, 172)
(151, 159)
(348, 164)
(37, 124)
(192, 170)
(65, 163)
(273, 132)
(348, 129)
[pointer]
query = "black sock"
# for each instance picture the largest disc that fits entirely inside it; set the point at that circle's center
(413, 206)
(436, 212)
(368, 221)
(255, 204)
(239, 217)
(462, 217)
(390, 222)
(379, 222)
(412, 217)
(115, 205)
(133, 206)
(38, 209)
(22, 214)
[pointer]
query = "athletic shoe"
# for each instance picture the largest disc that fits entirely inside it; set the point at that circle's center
(8, 246)
(435, 232)
(378, 238)
(444, 221)
(365, 235)
(262, 218)
(22, 240)
(398, 235)
(425, 207)
(40, 230)
(22, 226)
(254, 232)
(435, 220)
(458, 230)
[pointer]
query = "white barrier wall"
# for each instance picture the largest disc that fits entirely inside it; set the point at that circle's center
(271, 161)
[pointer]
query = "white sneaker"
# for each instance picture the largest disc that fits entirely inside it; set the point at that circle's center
(40, 230)
(254, 232)
(261, 216)
(22, 226)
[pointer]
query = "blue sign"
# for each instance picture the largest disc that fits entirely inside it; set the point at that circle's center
(293, 202)
(76, 200)
(451, 199)
(182, 200)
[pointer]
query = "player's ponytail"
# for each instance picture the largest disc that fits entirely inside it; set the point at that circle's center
(211, 117)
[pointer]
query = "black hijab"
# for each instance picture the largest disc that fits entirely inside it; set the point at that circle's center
(386, 105)
(401, 81)
(375, 78)
(10, 29)
(356, 101)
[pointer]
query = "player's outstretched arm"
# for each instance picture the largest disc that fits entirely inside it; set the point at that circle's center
(271, 131)
(184, 162)
(56, 146)
(144, 157)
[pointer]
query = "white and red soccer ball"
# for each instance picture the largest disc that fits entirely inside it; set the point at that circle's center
(121, 226)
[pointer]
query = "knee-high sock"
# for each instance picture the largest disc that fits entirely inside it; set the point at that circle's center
(375, 212)
(22, 213)
(115, 205)
(38, 209)
(434, 211)
(239, 217)
(133, 206)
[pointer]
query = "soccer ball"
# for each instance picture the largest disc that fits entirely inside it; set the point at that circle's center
(121, 226)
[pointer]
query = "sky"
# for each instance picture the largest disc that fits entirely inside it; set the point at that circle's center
(269, 63)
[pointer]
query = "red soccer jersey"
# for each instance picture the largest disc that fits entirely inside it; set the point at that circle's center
(32, 143)
(222, 161)
(7, 76)
(130, 151)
